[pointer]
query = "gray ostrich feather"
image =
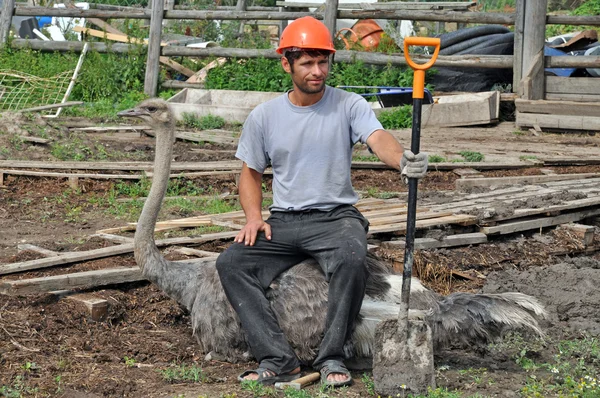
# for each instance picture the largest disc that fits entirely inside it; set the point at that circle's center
(298, 297)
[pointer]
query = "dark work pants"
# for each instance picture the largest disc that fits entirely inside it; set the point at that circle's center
(337, 240)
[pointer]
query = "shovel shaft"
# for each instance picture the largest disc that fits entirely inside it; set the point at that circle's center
(411, 215)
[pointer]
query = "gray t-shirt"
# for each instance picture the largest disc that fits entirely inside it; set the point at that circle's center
(309, 148)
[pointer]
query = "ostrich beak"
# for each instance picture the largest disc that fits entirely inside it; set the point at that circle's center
(133, 112)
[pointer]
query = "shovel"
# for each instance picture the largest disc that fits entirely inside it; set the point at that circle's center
(403, 348)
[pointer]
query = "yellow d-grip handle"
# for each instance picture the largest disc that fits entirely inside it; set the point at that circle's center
(419, 76)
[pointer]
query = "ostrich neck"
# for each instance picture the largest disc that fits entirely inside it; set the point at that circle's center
(144, 245)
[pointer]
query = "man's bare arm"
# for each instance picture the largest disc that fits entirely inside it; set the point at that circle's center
(386, 147)
(251, 200)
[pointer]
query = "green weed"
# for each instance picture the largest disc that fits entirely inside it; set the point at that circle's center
(208, 122)
(528, 157)
(183, 373)
(129, 362)
(518, 132)
(17, 389)
(436, 159)
(471, 156)
(369, 383)
(257, 389)
(363, 158)
(398, 118)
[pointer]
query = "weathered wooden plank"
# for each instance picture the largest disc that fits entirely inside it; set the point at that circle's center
(565, 122)
(96, 307)
(500, 181)
(448, 241)
(390, 5)
(375, 221)
(583, 232)
(574, 85)
(564, 161)
(558, 107)
(70, 281)
(462, 219)
(40, 250)
(227, 165)
(537, 223)
(445, 166)
(73, 257)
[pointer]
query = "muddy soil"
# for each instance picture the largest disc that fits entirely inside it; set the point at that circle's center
(49, 345)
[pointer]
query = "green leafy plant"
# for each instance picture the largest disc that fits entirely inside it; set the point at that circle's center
(183, 373)
(129, 362)
(257, 389)
(369, 383)
(398, 118)
(436, 159)
(207, 122)
(471, 156)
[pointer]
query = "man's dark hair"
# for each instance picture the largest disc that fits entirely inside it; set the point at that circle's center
(292, 56)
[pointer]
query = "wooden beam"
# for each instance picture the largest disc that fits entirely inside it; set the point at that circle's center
(228, 165)
(153, 54)
(538, 223)
(448, 241)
(558, 122)
(583, 232)
(500, 181)
(51, 106)
(571, 108)
(6, 14)
(70, 281)
(96, 307)
(36, 249)
(74, 257)
(534, 31)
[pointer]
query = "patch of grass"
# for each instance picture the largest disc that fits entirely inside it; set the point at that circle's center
(471, 156)
(364, 158)
(257, 389)
(399, 118)
(518, 132)
(17, 389)
(129, 362)
(208, 122)
(369, 383)
(183, 373)
(528, 157)
(436, 159)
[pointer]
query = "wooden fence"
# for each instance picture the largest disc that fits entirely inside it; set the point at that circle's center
(528, 61)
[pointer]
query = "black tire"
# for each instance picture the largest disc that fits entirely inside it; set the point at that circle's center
(466, 44)
(448, 39)
(492, 45)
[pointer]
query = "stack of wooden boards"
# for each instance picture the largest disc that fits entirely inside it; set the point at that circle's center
(466, 218)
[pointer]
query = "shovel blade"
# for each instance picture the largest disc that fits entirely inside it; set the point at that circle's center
(402, 367)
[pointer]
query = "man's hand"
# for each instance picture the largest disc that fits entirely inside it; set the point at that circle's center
(413, 166)
(248, 234)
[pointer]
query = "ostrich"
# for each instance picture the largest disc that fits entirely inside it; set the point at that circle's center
(299, 296)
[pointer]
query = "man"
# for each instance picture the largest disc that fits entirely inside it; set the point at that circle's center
(307, 136)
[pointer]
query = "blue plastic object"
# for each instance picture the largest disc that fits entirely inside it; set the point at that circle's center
(43, 21)
(565, 72)
(391, 96)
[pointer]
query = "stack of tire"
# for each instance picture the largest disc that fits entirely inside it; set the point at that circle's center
(479, 40)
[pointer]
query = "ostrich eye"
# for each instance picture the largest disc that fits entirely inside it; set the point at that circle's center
(151, 109)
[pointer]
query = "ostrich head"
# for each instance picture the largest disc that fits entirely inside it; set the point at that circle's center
(155, 112)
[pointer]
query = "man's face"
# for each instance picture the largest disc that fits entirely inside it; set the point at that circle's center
(308, 73)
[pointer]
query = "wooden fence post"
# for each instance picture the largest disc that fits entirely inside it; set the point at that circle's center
(531, 15)
(330, 17)
(152, 62)
(6, 13)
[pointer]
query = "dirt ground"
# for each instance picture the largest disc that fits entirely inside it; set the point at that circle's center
(50, 347)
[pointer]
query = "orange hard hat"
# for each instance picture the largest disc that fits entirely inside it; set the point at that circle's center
(306, 32)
